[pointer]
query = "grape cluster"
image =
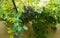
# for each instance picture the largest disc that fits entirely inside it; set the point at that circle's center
(40, 21)
(28, 14)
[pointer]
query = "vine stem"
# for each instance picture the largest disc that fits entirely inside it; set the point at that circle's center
(15, 6)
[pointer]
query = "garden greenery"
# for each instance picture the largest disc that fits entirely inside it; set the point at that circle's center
(19, 12)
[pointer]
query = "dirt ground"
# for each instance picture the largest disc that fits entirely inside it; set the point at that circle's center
(55, 34)
(3, 32)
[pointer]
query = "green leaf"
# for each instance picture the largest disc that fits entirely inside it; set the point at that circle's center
(10, 30)
(30, 1)
(11, 36)
(9, 1)
(19, 29)
(20, 6)
(25, 27)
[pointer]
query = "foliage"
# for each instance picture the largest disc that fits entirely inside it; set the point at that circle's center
(29, 10)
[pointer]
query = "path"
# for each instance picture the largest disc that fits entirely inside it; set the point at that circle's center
(55, 34)
(3, 33)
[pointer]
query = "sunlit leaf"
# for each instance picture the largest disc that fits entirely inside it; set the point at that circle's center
(25, 27)
(11, 36)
